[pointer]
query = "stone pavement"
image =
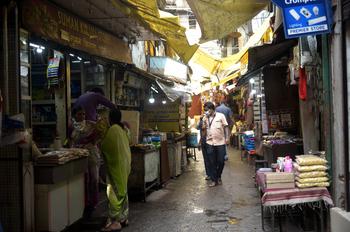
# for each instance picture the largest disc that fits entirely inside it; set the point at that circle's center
(187, 204)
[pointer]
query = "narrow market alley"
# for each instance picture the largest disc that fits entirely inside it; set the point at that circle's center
(188, 204)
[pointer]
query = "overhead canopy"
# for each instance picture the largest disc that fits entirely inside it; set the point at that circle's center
(164, 24)
(264, 55)
(218, 18)
(228, 68)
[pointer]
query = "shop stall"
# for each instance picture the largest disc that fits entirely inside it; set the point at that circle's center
(294, 192)
(59, 60)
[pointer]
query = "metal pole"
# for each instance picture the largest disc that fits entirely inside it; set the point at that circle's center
(5, 89)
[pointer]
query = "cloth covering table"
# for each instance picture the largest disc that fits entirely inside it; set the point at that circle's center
(279, 200)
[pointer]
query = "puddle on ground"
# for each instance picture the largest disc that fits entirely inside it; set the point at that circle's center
(209, 212)
(234, 220)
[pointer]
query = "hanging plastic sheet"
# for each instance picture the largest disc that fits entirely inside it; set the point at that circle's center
(175, 91)
(217, 18)
(161, 23)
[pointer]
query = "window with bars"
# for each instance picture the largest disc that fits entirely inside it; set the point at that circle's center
(192, 22)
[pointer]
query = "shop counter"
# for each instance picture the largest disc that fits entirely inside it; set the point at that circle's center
(279, 202)
(175, 157)
(145, 171)
(59, 194)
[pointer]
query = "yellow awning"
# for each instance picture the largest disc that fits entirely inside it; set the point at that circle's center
(218, 18)
(228, 68)
(163, 24)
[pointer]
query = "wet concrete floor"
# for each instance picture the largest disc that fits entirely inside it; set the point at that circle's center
(188, 204)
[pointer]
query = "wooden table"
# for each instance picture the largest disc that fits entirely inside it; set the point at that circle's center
(279, 200)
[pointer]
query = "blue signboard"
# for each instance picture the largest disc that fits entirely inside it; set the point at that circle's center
(305, 17)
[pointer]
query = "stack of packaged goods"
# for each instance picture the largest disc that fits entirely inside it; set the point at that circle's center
(249, 141)
(279, 180)
(311, 171)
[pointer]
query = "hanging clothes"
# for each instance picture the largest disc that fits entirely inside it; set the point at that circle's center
(302, 84)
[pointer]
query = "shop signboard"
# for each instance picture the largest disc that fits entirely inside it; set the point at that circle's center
(165, 117)
(305, 17)
(50, 22)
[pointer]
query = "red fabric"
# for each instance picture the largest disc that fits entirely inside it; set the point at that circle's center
(302, 84)
(196, 106)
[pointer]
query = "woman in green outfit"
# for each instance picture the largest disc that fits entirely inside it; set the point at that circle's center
(116, 150)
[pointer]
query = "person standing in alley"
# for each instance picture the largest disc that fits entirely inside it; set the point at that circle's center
(202, 146)
(228, 115)
(117, 155)
(89, 102)
(217, 136)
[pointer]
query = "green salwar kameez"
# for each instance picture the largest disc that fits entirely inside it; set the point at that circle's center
(116, 150)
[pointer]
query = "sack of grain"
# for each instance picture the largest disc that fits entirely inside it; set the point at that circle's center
(307, 160)
(310, 168)
(311, 174)
(312, 180)
(309, 185)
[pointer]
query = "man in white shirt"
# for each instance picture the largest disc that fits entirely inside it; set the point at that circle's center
(217, 136)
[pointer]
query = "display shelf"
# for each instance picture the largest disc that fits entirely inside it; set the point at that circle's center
(43, 123)
(43, 102)
(128, 105)
(25, 64)
(26, 97)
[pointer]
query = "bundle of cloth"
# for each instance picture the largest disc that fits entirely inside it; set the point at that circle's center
(311, 171)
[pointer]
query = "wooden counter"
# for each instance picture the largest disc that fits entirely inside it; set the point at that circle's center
(59, 194)
(145, 171)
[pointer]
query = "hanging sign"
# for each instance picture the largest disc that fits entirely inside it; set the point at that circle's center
(305, 17)
(47, 20)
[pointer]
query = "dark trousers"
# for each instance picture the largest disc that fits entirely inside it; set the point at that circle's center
(206, 159)
(216, 155)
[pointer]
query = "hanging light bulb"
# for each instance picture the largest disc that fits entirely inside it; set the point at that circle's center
(39, 50)
(151, 98)
(164, 102)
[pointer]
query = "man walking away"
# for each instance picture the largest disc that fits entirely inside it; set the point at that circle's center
(216, 127)
(228, 115)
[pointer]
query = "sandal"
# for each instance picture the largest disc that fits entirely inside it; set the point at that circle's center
(108, 228)
(124, 223)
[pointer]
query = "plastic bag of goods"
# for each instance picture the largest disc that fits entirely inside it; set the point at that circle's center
(312, 180)
(307, 160)
(311, 174)
(309, 185)
(310, 168)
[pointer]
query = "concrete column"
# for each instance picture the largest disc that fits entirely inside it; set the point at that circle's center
(338, 190)
(310, 130)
